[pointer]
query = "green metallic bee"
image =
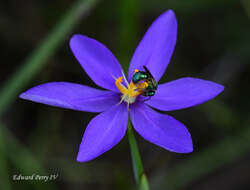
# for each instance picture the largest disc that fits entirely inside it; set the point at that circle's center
(147, 77)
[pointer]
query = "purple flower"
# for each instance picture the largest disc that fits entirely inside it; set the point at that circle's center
(107, 129)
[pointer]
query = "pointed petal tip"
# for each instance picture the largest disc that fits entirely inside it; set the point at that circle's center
(22, 95)
(216, 86)
(184, 93)
(75, 35)
(74, 38)
(71, 96)
(83, 158)
(220, 88)
(164, 130)
(190, 150)
(186, 149)
(96, 59)
(25, 96)
(103, 132)
(170, 12)
(160, 37)
(79, 159)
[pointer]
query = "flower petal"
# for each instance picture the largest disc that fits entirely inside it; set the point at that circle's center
(156, 47)
(71, 96)
(184, 93)
(161, 129)
(103, 132)
(97, 61)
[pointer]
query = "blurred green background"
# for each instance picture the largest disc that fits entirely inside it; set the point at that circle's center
(213, 43)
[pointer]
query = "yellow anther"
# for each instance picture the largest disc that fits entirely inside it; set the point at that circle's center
(120, 86)
(142, 85)
(130, 93)
(136, 70)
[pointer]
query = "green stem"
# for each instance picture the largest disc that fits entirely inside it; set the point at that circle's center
(39, 57)
(139, 174)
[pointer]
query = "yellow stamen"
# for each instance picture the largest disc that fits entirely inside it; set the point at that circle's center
(120, 87)
(136, 70)
(130, 93)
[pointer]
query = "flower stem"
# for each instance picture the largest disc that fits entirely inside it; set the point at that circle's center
(139, 174)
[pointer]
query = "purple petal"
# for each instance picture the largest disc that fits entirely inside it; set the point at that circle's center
(161, 129)
(184, 93)
(97, 60)
(103, 132)
(156, 47)
(71, 96)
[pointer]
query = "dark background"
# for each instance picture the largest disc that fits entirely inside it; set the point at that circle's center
(213, 43)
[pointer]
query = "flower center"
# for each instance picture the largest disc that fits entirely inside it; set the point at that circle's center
(132, 90)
